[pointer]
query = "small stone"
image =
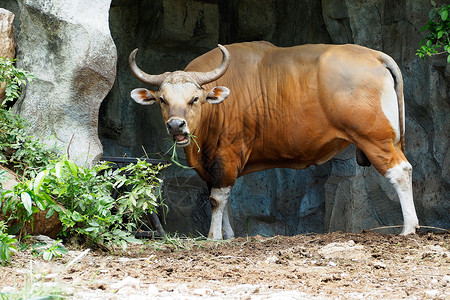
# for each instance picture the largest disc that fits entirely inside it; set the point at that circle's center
(8, 289)
(247, 288)
(129, 282)
(379, 265)
(432, 293)
(152, 290)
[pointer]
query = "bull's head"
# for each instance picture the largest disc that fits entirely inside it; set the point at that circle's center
(180, 95)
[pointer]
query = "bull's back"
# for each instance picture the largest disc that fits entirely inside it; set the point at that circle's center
(283, 110)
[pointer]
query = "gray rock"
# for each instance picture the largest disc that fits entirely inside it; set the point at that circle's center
(68, 47)
(7, 41)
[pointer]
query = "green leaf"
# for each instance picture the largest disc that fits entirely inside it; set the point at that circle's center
(58, 169)
(72, 166)
(39, 180)
(47, 255)
(39, 203)
(15, 229)
(61, 250)
(50, 213)
(26, 200)
(4, 252)
(448, 59)
(444, 15)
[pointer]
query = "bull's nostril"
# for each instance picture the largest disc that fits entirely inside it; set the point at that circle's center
(176, 125)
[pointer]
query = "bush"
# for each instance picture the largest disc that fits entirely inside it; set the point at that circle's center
(7, 244)
(19, 151)
(83, 199)
(438, 36)
(13, 78)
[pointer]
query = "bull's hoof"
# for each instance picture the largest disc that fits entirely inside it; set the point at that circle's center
(410, 229)
(227, 235)
(213, 237)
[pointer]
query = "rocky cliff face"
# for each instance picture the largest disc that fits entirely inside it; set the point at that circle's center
(338, 195)
(7, 41)
(68, 47)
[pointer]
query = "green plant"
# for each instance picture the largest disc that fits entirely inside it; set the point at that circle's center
(83, 199)
(13, 79)
(48, 252)
(18, 150)
(7, 244)
(438, 36)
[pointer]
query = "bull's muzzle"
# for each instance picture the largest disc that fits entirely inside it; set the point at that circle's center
(177, 128)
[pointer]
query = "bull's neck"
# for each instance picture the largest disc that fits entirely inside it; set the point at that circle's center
(196, 153)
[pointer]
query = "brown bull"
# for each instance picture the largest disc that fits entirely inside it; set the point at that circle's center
(288, 108)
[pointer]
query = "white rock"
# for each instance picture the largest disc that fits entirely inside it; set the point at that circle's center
(67, 45)
(8, 289)
(129, 282)
(247, 288)
(348, 250)
(432, 293)
(152, 290)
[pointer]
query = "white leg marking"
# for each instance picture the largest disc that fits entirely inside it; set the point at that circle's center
(389, 106)
(400, 177)
(218, 199)
(226, 222)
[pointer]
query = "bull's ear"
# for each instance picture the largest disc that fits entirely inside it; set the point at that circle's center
(143, 96)
(217, 94)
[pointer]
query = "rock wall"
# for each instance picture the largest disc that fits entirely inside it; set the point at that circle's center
(68, 47)
(7, 41)
(338, 195)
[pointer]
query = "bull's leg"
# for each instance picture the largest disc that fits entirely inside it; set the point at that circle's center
(218, 200)
(400, 177)
(392, 164)
(227, 229)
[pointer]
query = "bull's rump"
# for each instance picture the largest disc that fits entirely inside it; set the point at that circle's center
(297, 106)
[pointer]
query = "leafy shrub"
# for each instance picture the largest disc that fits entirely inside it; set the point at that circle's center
(13, 78)
(48, 251)
(19, 151)
(83, 199)
(438, 36)
(7, 244)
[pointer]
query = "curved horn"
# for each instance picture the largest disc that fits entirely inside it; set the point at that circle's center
(155, 80)
(207, 77)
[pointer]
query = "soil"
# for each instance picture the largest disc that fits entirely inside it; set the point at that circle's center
(367, 265)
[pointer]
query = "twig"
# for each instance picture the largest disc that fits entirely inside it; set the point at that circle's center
(437, 228)
(145, 152)
(68, 146)
(399, 226)
(80, 256)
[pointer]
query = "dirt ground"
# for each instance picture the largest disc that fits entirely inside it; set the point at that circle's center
(367, 265)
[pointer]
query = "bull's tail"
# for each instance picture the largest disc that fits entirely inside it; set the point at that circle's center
(393, 68)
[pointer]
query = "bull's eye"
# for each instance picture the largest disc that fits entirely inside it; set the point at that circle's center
(195, 99)
(161, 99)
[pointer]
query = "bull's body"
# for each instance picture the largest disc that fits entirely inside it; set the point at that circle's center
(296, 107)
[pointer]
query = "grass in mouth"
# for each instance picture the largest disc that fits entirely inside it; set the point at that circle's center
(173, 149)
